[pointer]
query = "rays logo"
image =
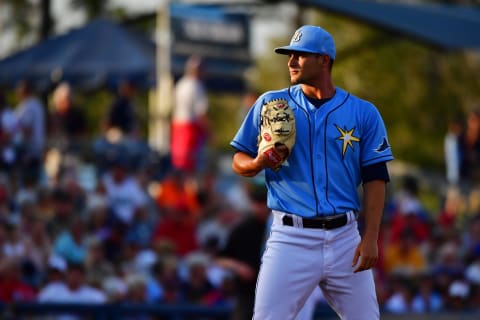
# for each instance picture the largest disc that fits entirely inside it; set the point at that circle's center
(348, 138)
(297, 36)
(383, 146)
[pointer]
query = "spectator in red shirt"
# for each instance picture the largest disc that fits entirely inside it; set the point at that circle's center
(178, 229)
(12, 287)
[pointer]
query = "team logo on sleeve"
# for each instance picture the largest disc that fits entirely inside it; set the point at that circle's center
(347, 135)
(383, 146)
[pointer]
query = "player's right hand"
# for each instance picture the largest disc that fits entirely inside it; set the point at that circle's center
(274, 157)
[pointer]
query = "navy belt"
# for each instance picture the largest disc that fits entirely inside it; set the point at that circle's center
(327, 223)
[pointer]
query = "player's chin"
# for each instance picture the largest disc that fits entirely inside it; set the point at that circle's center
(294, 79)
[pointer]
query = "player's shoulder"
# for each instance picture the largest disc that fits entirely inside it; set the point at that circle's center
(358, 102)
(274, 95)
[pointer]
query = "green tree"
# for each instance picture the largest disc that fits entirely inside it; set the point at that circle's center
(92, 8)
(17, 16)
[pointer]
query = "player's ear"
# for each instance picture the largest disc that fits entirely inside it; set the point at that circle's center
(325, 60)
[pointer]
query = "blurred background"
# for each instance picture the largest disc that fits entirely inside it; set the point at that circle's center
(97, 170)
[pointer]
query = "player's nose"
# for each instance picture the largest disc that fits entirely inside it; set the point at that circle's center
(292, 60)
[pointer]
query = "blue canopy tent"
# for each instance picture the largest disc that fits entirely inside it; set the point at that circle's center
(444, 26)
(99, 53)
(104, 53)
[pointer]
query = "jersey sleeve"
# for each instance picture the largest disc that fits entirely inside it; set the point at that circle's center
(246, 138)
(375, 145)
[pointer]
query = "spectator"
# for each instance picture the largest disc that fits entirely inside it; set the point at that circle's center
(409, 219)
(8, 127)
(448, 266)
(12, 287)
(452, 210)
(427, 299)
(56, 267)
(68, 127)
(400, 300)
(408, 212)
(45, 210)
(470, 146)
(452, 150)
(124, 194)
(165, 283)
(6, 201)
(136, 259)
(98, 220)
(196, 287)
(115, 287)
(472, 272)
(458, 296)
(38, 248)
(406, 200)
(470, 237)
(121, 114)
(30, 113)
(73, 290)
(405, 257)
(176, 186)
(55, 278)
(190, 124)
(214, 230)
(178, 229)
(63, 211)
(141, 227)
(72, 243)
(243, 249)
(97, 267)
(136, 290)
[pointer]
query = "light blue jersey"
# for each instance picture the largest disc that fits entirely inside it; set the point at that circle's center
(333, 142)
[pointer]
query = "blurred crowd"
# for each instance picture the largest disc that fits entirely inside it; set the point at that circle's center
(119, 227)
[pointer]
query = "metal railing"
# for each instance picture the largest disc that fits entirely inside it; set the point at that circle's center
(19, 311)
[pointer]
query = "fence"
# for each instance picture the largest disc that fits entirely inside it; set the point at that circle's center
(20, 311)
(31, 311)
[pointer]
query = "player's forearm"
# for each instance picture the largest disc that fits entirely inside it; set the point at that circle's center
(373, 204)
(245, 165)
(241, 269)
(226, 263)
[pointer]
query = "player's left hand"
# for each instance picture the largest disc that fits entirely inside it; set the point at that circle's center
(366, 255)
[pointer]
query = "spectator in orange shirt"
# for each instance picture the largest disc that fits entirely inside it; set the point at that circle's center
(178, 187)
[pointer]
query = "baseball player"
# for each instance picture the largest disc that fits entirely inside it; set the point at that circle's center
(317, 144)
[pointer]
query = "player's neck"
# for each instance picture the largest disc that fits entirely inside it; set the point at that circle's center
(321, 91)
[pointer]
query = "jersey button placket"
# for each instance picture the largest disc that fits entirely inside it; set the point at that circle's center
(320, 165)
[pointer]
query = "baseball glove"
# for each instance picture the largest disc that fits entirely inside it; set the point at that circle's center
(277, 128)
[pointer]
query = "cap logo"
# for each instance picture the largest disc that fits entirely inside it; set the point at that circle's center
(297, 36)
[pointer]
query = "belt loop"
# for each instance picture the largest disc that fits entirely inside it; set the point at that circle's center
(352, 216)
(277, 217)
(297, 221)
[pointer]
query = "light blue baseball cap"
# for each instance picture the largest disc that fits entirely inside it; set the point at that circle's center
(312, 39)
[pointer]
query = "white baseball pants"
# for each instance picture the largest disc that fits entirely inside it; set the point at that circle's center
(298, 259)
